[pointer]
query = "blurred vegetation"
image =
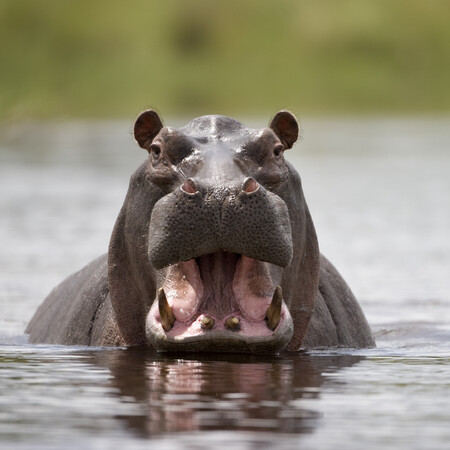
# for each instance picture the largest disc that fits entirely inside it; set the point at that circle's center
(249, 57)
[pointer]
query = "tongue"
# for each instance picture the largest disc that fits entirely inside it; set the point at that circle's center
(217, 270)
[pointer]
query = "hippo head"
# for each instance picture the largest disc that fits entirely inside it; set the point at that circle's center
(214, 248)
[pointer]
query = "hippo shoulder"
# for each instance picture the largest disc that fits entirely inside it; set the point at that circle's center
(337, 320)
(77, 311)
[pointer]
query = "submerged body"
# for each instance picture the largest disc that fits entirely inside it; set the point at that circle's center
(214, 250)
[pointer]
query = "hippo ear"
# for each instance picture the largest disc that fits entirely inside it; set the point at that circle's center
(147, 126)
(285, 126)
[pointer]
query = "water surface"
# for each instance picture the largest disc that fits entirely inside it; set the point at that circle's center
(378, 193)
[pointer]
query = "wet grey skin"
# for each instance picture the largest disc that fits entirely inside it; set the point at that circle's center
(214, 249)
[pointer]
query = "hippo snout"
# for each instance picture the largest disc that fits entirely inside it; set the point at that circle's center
(244, 219)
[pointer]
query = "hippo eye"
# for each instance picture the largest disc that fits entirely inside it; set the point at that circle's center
(278, 149)
(155, 149)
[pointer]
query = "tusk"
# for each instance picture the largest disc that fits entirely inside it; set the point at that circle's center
(165, 311)
(232, 323)
(273, 314)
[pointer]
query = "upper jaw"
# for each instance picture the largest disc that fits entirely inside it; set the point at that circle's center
(221, 302)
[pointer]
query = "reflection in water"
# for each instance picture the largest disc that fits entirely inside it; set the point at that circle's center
(219, 392)
(57, 397)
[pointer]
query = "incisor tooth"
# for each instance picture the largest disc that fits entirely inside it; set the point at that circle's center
(207, 322)
(273, 313)
(232, 323)
(165, 311)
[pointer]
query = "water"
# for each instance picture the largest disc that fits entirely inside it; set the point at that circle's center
(378, 192)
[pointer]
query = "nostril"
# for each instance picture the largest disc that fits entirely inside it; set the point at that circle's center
(189, 187)
(250, 185)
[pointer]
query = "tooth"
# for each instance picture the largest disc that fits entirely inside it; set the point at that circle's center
(207, 322)
(232, 323)
(165, 311)
(273, 313)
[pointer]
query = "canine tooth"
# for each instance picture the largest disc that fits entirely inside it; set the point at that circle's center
(207, 322)
(273, 313)
(165, 311)
(232, 323)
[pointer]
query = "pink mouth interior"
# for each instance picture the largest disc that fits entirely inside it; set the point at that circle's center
(219, 286)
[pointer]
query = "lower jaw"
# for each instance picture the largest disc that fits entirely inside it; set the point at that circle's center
(221, 340)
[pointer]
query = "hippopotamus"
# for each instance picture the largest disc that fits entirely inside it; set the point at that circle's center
(214, 249)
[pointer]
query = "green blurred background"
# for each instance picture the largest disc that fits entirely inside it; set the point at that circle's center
(85, 58)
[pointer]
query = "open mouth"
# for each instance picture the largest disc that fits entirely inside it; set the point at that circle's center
(220, 302)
